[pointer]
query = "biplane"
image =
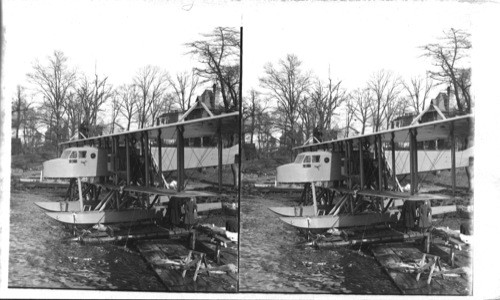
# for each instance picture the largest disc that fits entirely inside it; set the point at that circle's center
(354, 181)
(123, 177)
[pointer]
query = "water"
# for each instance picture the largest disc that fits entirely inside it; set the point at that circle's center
(40, 258)
(270, 261)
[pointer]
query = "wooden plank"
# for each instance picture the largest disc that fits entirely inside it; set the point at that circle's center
(399, 260)
(166, 257)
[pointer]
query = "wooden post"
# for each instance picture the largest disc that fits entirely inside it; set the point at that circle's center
(79, 180)
(361, 165)
(428, 242)
(219, 155)
(452, 255)
(422, 263)
(315, 204)
(415, 158)
(115, 158)
(186, 262)
(393, 156)
(192, 239)
(146, 158)
(160, 163)
(127, 158)
(412, 162)
(379, 161)
(453, 162)
(432, 270)
(217, 252)
(349, 162)
(180, 158)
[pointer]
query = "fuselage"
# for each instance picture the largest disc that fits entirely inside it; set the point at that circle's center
(311, 166)
(78, 162)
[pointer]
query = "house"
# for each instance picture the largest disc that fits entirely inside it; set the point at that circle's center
(169, 117)
(203, 107)
(204, 102)
(439, 109)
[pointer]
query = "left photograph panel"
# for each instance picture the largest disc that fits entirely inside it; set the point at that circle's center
(125, 145)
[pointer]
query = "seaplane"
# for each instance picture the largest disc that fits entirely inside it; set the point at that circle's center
(353, 181)
(121, 177)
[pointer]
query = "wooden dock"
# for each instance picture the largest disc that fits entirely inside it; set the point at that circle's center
(167, 257)
(403, 262)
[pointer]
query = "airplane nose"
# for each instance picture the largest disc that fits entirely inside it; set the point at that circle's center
(285, 173)
(52, 168)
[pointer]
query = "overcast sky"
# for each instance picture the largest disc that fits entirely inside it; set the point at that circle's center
(352, 39)
(115, 37)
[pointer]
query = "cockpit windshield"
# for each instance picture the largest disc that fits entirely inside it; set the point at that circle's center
(65, 153)
(299, 158)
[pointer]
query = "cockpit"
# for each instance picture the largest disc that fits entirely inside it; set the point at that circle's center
(73, 155)
(308, 159)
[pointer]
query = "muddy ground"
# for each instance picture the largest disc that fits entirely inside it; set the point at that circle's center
(272, 261)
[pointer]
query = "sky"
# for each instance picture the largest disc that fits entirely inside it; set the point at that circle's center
(351, 39)
(115, 38)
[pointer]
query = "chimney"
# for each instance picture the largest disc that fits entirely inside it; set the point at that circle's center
(212, 98)
(447, 99)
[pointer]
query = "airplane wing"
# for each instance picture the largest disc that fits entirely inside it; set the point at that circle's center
(395, 195)
(160, 191)
(440, 129)
(227, 122)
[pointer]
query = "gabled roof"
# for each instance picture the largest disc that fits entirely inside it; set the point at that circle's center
(431, 105)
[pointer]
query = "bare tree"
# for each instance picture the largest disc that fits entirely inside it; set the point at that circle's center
(447, 54)
(308, 116)
(31, 134)
(114, 108)
(253, 107)
(265, 125)
(361, 103)
(395, 109)
(219, 52)
(350, 114)
(385, 88)
(127, 96)
(184, 86)
(74, 112)
(151, 84)
(287, 84)
(325, 99)
(92, 95)
(161, 104)
(464, 84)
(418, 92)
(54, 82)
(19, 106)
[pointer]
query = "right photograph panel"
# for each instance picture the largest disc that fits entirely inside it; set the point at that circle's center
(357, 161)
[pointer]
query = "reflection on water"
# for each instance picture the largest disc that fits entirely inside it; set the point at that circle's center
(270, 261)
(40, 258)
